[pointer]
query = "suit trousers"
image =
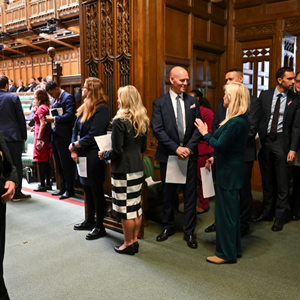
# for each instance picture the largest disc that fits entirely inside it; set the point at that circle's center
(190, 198)
(15, 150)
(3, 291)
(246, 197)
(272, 161)
(63, 160)
(227, 215)
(95, 203)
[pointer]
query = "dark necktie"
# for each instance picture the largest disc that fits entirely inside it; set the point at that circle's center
(180, 121)
(273, 131)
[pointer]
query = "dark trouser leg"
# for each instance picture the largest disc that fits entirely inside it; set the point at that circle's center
(89, 202)
(227, 215)
(168, 201)
(48, 172)
(246, 197)
(99, 202)
(3, 291)
(15, 150)
(295, 204)
(190, 198)
(42, 172)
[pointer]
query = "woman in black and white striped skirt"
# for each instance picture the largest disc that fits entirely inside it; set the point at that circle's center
(129, 140)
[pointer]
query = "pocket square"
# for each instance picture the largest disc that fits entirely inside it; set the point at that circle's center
(290, 102)
(193, 106)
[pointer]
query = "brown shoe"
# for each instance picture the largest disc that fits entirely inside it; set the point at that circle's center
(218, 260)
(21, 197)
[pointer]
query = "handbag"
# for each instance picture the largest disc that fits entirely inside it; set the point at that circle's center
(30, 174)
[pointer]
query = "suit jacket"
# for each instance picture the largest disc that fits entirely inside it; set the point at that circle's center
(7, 169)
(254, 117)
(20, 90)
(12, 120)
(229, 143)
(13, 89)
(27, 88)
(64, 123)
(165, 127)
(291, 119)
(126, 148)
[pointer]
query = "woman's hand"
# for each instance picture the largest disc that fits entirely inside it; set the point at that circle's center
(32, 129)
(71, 148)
(209, 163)
(202, 127)
(39, 145)
(74, 156)
(100, 153)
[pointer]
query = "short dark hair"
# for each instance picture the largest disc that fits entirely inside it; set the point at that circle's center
(235, 70)
(3, 81)
(202, 101)
(297, 73)
(42, 97)
(51, 85)
(197, 93)
(32, 78)
(39, 79)
(44, 80)
(280, 73)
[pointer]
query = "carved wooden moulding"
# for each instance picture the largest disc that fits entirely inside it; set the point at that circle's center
(16, 25)
(68, 11)
(254, 30)
(42, 18)
(14, 6)
(293, 24)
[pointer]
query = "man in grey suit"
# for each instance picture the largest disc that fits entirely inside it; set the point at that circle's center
(13, 128)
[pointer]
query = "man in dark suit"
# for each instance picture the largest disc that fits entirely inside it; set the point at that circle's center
(173, 120)
(8, 181)
(13, 128)
(30, 87)
(61, 137)
(279, 133)
(236, 75)
(12, 87)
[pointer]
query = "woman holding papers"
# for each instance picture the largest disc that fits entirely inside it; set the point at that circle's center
(204, 150)
(129, 140)
(229, 143)
(92, 120)
(42, 146)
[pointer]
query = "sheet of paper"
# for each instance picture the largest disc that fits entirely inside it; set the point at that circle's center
(104, 142)
(176, 170)
(82, 166)
(55, 112)
(257, 143)
(207, 183)
(150, 181)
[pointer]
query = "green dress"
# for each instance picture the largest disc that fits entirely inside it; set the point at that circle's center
(229, 143)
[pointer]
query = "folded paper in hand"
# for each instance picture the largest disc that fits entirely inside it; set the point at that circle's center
(207, 183)
(176, 170)
(54, 112)
(150, 181)
(104, 142)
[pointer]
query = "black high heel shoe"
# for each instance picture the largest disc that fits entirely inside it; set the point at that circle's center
(128, 250)
(136, 246)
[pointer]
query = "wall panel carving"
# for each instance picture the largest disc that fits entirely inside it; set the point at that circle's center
(255, 30)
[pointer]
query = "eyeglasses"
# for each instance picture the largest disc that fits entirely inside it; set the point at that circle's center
(297, 81)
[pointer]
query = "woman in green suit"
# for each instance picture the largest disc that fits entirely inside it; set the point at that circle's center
(229, 143)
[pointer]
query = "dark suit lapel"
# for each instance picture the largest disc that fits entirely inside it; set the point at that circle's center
(288, 104)
(169, 105)
(269, 104)
(187, 111)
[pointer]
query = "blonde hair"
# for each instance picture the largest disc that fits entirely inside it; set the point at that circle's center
(132, 109)
(239, 100)
(95, 97)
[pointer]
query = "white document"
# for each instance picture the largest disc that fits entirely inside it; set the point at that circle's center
(150, 181)
(104, 142)
(30, 148)
(176, 170)
(257, 143)
(55, 112)
(207, 183)
(82, 167)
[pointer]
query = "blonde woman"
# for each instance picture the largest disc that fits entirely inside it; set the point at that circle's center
(229, 144)
(92, 120)
(129, 140)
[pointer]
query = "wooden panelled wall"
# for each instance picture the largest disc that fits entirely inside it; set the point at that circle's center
(40, 66)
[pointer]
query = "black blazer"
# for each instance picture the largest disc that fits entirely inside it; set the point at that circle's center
(27, 88)
(254, 117)
(13, 89)
(165, 127)
(126, 148)
(12, 120)
(64, 122)
(22, 89)
(7, 170)
(291, 119)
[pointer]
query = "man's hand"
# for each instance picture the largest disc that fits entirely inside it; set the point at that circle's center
(49, 119)
(10, 187)
(291, 156)
(182, 152)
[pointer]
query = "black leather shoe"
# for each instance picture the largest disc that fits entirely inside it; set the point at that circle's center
(96, 233)
(211, 228)
(263, 218)
(278, 224)
(61, 192)
(295, 215)
(66, 195)
(49, 187)
(40, 189)
(128, 250)
(245, 231)
(190, 240)
(84, 226)
(136, 246)
(164, 235)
